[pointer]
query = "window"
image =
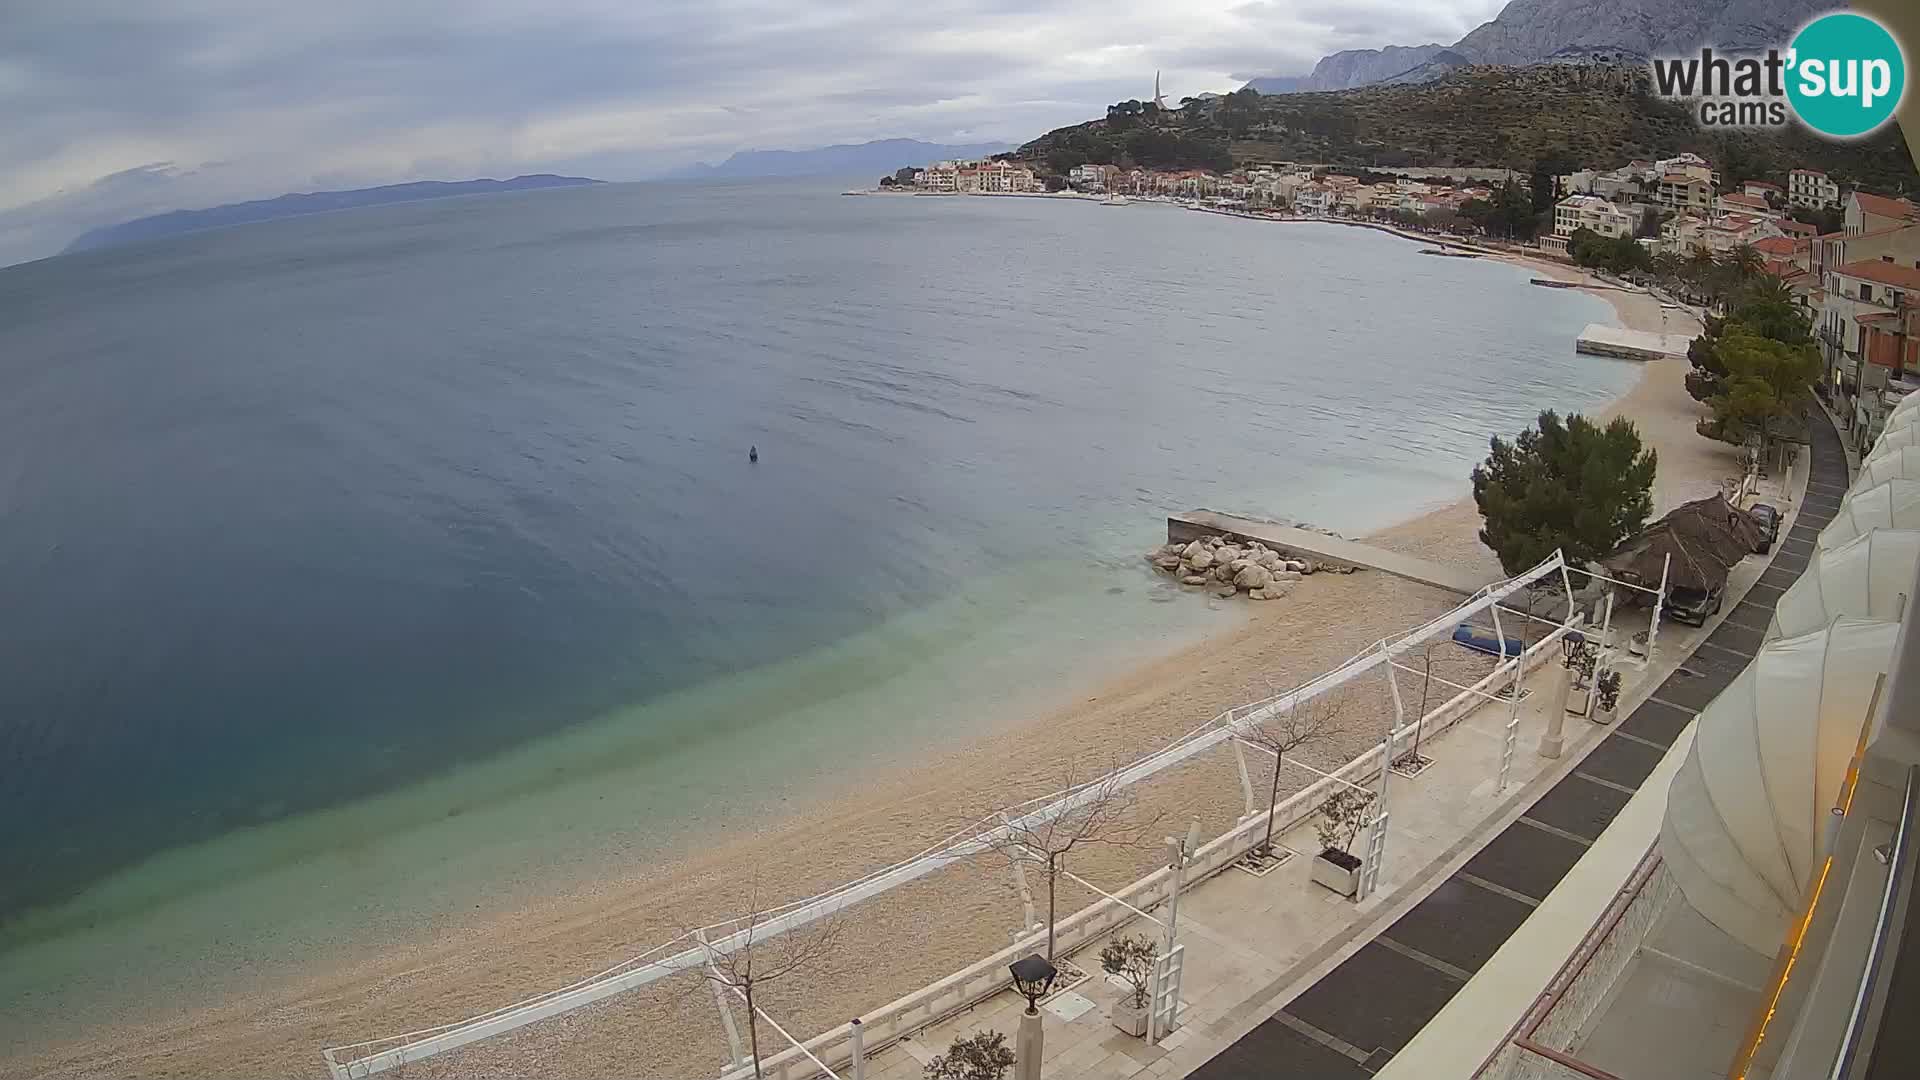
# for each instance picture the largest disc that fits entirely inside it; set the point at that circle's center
(1866, 291)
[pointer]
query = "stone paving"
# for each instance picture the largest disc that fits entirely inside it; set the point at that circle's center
(1285, 979)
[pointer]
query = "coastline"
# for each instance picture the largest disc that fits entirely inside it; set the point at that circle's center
(832, 835)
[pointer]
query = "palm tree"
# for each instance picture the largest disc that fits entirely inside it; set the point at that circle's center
(1698, 272)
(1744, 263)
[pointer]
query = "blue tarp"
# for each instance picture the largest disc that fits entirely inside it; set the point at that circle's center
(1480, 640)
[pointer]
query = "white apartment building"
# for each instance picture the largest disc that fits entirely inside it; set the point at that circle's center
(1576, 212)
(1811, 188)
(1683, 191)
(1314, 199)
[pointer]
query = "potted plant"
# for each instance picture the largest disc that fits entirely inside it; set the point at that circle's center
(1341, 817)
(1606, 690)
(983, 1056)
(1132, 959)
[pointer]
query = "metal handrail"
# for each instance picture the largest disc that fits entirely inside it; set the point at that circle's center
(1882, 930)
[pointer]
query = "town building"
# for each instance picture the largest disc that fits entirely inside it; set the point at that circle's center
(1810, 188)
(1761, 189)
(1683, 191)
(1893, 339)
(1867, 212)
(1742, 203)
(1576, 212)
(1091, 177)
(1314, 198)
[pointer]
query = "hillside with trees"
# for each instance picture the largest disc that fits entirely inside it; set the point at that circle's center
(1546, 118)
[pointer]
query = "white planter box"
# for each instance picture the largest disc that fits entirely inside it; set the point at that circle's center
(1336, 877)
(1129, 1019)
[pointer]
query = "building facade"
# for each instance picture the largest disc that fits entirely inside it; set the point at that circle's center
(1810, 188)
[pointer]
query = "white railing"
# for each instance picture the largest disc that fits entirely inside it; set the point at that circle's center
(989, 975)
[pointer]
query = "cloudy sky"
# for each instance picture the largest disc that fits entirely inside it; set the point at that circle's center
(117, 108)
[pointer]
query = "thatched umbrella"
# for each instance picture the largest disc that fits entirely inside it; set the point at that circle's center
(1695, 564)
(1713, 522)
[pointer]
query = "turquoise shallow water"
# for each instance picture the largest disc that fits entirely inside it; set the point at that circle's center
(363, 563)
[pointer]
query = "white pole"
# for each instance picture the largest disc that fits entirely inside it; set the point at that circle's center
(1028, 1046)
(1659, 600)
(1246, 781)
(859, 1040)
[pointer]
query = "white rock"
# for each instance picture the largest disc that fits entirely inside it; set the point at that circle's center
(1266, 558)
(1167, 562)
(1262, 594)
(1252, 577)
(1193, 579)
(1201, 559)
(1286, 575)
(1226, 592)
(1193, 549)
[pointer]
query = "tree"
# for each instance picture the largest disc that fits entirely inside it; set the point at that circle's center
(1132, 959)
(1766, 381)
(1764, 307)
(1341, 817)
(1308, 722)
(984, 1056)
(1099, 813)
(1575, 487)
(761, 957)
(1744, 264)
(1508, 214)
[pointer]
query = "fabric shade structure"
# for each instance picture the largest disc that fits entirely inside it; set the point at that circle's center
(1745, 831)
(1893, 463)
(1866, 578)
(1907, 409)
(1896, 439)
(1894, 504)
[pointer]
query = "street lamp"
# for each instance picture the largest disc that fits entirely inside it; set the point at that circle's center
(1033, 976)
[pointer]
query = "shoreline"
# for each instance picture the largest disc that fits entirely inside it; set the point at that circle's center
(459, 969)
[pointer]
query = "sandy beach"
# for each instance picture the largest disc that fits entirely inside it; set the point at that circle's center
(882, 812)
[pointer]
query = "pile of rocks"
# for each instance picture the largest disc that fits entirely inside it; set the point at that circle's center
(1226, 567)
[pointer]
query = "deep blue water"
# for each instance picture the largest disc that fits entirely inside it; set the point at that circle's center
(298, 512)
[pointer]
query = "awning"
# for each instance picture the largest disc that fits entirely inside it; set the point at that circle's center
(1867, 577)
(1747, 813)
(1894, 504)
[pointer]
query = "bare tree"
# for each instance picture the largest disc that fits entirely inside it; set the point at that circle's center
(754, 954)
(1101, 812)
(1314, 720)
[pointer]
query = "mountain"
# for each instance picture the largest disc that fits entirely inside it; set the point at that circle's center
(861, 159)
(1353, 67)
(1533, 31)
(313, 202)
(1560, 116)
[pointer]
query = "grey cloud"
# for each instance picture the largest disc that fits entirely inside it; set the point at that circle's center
(366, 91)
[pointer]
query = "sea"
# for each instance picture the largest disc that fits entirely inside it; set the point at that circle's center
(356, 566)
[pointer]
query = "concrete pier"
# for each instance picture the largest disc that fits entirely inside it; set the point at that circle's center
(1599, 340)
(1320, 547)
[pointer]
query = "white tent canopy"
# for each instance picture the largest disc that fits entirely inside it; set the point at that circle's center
(1894, 504)
(1896, 438)
(1866, 577)
(1746, 815)
(1889, 463)
(1907, 408)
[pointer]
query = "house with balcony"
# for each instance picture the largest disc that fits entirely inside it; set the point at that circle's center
(1682, 192)
(1854, 292)
(1893, 339)
(1744, 203)
(1314, 198)
(1812, 189)
(1576, 212)
(1091, 177)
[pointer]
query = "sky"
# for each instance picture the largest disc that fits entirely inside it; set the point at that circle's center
(119, 108)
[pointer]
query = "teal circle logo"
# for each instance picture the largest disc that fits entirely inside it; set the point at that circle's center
(1846, 75)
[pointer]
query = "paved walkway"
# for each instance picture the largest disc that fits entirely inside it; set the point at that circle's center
(1316, 545)
(1285, 979)
(1350, 1022)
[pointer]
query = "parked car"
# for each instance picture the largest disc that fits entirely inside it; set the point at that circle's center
(1694, 606)
(1768, 518)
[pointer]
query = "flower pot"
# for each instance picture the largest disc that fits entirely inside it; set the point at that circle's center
(1128, 1018)
(1338, 871)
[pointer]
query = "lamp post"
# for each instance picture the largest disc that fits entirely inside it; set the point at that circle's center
(1033, 977)
(1572, 646)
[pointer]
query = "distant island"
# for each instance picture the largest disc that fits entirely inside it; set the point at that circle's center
(313, 202)
(861, 159)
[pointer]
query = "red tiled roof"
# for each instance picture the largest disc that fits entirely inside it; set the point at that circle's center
(1761, 184)
(1800, 227)
(1881, 206)
(1777, 245)
(1779, 268)
(1752, 202)
(1886, 273)
(1889, 318)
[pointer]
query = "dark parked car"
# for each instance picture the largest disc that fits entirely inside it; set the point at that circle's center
(1693, 606)
(1768, 518)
